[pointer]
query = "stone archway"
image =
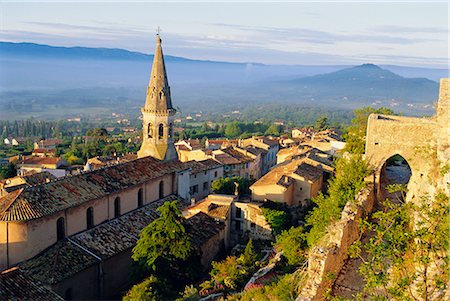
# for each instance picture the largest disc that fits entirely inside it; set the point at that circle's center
(395, 170)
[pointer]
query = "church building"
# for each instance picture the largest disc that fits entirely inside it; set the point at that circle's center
(74, 235)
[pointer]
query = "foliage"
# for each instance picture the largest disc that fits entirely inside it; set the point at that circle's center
(249, 257)
(7, 171)
(407, 262)
(348, 181)
(233, 130)
(278, 219)
(233, 272)
(274, 129)
(190, 293)
(144, 291)
(321, 123)
(72, 159)
(164, 240)
(227, 186)
(282, 290)
(293, 244)
(355, 137)
(229, 273)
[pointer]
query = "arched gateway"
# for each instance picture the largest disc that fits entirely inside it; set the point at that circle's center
(423, 142)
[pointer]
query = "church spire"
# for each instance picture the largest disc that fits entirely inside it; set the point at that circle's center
(158, 91)
(158, 113)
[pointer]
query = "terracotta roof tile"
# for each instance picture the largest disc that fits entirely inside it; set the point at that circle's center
(49, 198)
(61, 261)
(203, 227)
(122, 233)
(309, 171)
(14, 285)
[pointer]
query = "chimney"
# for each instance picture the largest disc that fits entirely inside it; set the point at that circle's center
(47, 180)
(192, 201)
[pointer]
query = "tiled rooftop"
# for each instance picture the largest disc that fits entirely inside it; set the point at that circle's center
(309, 172)
(117, 235)
(59, 262)
(203, 227)
(39, 160)
(242, 158)
(14, 285)
(48, 198)
(80, 251)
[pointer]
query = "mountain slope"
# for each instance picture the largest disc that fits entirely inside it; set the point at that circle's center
(365, 82)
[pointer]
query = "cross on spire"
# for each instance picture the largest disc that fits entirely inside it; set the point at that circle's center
(158, 30)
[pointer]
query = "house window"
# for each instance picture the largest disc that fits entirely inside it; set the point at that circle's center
(117, 207)
(206, 173)
(252, 225)
(161, 189)
(195, 189)
(60, 228)
(90, 218)
(140, 200)
(238, 212)
(205, 186)
(215, 174)
(160, 131)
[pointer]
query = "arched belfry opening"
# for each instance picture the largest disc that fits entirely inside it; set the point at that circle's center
(395, 170)
(161, 131)
(150, 130)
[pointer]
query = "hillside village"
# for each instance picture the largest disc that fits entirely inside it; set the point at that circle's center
(69, 232)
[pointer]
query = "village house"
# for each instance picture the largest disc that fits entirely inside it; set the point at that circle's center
(50, 143)
(44, 152)
(272, 147)
(243, 219)
(8, 185)
(53, 165)
(235, 163)
(202, 173)
(297, 180)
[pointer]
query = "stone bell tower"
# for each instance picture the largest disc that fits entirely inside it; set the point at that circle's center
(158, 113)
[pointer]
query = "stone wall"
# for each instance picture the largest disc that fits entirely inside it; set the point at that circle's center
(328, 256)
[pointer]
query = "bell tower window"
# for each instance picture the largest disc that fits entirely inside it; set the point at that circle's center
(150, 131)
(160, 131)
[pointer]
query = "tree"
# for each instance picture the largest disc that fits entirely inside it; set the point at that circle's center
(348, 181)
(232, 130)
(8, 171)
(277, 219)
(407, 258)
(228, 273)
(293, 243)
(144, 291)
(164, 241)
(321, 123)
(355, 137)
(249, 257)
(274, 129)
(227, 185)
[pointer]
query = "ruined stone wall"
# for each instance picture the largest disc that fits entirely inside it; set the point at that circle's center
(328, 256)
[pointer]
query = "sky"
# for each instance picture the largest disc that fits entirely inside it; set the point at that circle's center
(409, 33)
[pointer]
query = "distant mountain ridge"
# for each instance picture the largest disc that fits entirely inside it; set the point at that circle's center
(41, 78)
(367, 81)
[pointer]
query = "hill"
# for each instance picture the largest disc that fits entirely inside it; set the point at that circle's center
(43, 80)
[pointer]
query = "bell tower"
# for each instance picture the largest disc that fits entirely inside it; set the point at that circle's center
(158, 113)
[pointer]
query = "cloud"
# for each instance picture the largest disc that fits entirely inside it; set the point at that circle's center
(409, 29)
(278, 34)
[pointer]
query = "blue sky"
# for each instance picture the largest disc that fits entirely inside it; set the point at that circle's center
(403, 33)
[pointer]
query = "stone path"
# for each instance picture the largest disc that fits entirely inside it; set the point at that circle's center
(349, 282)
